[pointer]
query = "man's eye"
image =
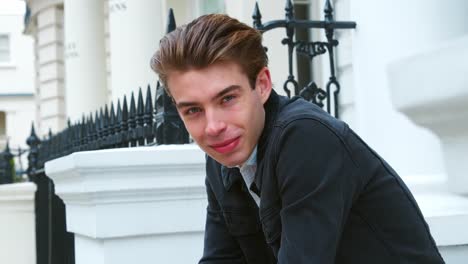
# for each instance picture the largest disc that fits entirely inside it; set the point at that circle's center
(228, 98)
(192, 111)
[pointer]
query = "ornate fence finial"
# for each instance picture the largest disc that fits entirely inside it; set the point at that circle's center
(97, 131)
(171, 23)
(118, 125)
(112, 126)
(124, 123)
(100, 128)
(257, 17)
(132, 122)
(84, 133)
(140, 120)
(106, 126)
(169, 127)
(289, 8)
(149, 116)
(328, 9)
(33, 142)
(6, 168)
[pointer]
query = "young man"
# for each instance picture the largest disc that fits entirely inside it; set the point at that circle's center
(286, 182)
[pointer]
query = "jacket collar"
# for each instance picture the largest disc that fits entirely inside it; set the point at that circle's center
(272, 107)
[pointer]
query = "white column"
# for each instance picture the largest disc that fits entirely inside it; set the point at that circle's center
(17, 223)
(135, 29)
(441, 101)
(85, 57)
(140, 205)
(46, 26)
(388, 30)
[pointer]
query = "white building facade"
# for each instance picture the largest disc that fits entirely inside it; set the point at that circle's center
(86, 59)
(17, 102)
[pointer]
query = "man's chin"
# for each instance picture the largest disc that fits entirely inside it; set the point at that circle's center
(227, 161)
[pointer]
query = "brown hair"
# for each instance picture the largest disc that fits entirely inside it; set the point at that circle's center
(207, 40)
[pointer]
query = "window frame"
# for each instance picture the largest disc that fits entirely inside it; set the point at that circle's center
(9, 61)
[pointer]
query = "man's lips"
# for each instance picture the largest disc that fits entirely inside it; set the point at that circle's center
(226, 146)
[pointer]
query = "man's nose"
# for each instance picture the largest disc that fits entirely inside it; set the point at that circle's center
(215, 125)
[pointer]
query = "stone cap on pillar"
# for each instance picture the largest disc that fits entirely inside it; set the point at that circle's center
(18, 197)
(431, 88)
(132, 191)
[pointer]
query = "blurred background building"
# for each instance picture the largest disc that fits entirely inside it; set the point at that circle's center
(17, 101)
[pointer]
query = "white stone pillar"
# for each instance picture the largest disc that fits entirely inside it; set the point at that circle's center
(17, 223)
(139, 205)
(135, 29)
(440, 103)
(388, 30)
(46, 26)
(85, 57)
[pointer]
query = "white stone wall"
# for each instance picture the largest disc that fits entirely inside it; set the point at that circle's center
(134, 205)
(17, 223)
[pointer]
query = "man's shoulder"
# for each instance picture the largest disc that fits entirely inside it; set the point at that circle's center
(297, 113)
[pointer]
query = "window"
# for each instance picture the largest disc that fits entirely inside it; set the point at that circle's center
(4, 48)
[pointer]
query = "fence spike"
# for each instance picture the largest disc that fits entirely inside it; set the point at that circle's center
(118, 125)
(257, 16)
(5, 165)
(149, 116)
(132, 112)
(84, 133)
(124, 124)
(106, 121)
(132, 121)
(289, 9)
(33, 143)
(112, 125)
(140, 119)
(149, 107)
(171, 23)
(140, 109)
(101, 128)
(328, 9)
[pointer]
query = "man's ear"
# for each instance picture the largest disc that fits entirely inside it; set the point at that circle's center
(263, 84)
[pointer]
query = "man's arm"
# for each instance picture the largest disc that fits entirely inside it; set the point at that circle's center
(316, 184)
(220, 247)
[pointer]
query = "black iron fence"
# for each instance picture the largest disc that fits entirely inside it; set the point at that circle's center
(11, 165)
(147, 120)
(309, 49)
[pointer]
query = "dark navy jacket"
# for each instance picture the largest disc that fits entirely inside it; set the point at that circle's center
(326, 197)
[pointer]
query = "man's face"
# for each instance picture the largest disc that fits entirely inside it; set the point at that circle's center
(221, 111)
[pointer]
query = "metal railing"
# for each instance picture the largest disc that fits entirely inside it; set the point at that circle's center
(309, 49)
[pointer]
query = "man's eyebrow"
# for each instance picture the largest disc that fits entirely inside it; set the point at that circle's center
(217, 96)
(225, 91)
